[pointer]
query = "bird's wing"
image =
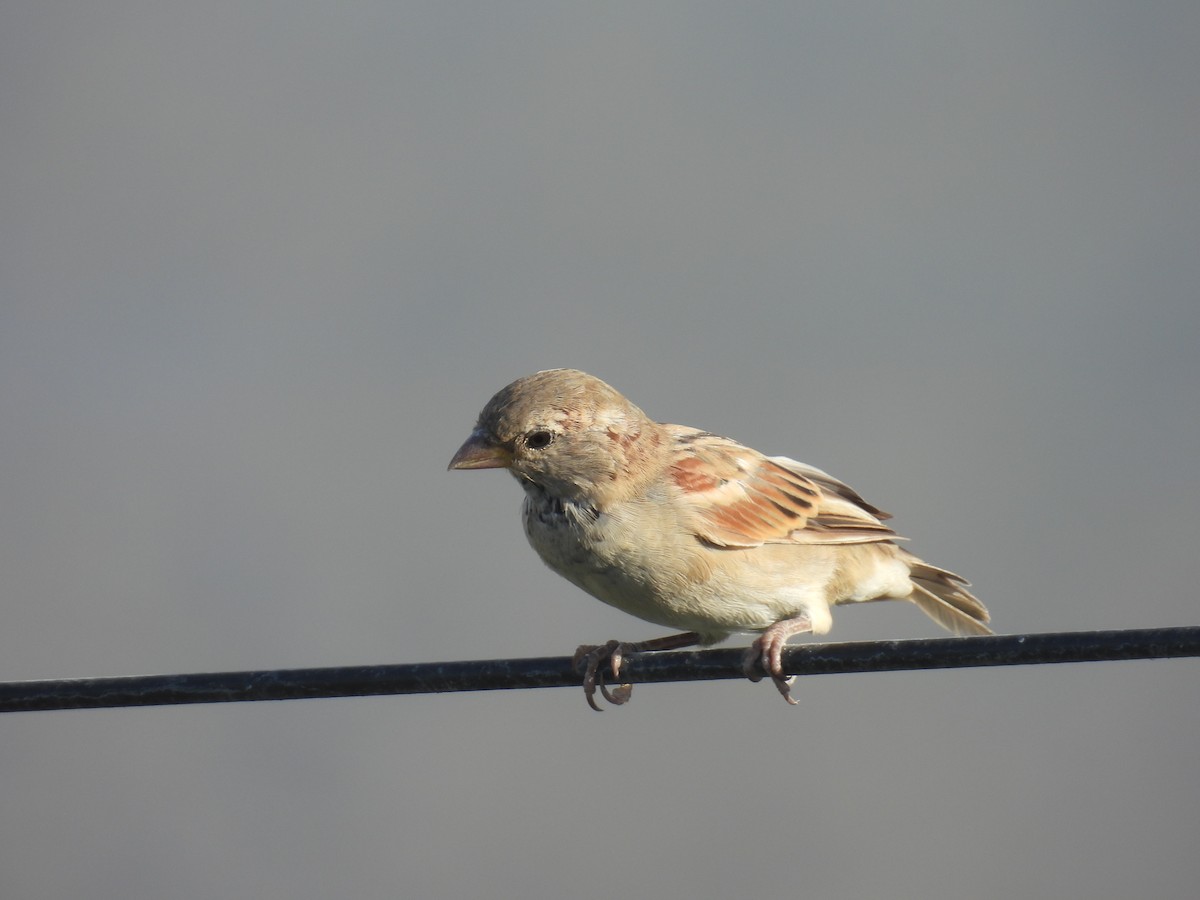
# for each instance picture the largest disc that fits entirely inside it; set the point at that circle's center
(736, 497)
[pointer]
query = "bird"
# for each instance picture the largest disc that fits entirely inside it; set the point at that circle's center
(693, 531)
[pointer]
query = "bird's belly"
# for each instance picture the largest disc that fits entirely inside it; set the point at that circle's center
(659, 576)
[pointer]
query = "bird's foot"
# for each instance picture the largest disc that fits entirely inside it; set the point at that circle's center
(765, 655)
(592, 659)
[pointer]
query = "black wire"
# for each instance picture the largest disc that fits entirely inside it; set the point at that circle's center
(512, 674)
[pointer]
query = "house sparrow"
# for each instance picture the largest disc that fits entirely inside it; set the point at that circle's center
(691, 530)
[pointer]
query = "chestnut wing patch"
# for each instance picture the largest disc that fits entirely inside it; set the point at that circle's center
(741, 498)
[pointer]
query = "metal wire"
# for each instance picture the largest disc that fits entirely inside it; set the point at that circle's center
(513, 674)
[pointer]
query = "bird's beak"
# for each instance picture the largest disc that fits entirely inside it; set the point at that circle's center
(479, 452)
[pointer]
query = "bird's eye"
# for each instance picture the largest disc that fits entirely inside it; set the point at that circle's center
(538, 440)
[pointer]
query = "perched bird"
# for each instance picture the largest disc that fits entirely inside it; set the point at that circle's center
(691, 530)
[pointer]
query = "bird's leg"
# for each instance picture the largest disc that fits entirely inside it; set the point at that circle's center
(766, 653)
(592, 657)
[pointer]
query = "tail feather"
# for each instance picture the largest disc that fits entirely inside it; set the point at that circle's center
(943, 596)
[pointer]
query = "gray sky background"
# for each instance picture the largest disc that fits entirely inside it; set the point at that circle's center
(261, 265)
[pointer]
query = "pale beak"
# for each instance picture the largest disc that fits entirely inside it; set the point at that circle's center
(480, 453)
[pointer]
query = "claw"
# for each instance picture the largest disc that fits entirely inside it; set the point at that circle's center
(784, 686)
(622, 692)
(591, 657)
(765, 654)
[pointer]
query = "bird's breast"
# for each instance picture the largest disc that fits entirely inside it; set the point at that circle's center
(636, 559)
(565, 533)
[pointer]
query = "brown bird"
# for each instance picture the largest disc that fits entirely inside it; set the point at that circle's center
(691, 530)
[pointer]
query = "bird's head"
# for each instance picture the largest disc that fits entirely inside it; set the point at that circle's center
(566, 432)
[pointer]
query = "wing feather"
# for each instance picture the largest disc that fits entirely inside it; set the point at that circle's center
(741, 498)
